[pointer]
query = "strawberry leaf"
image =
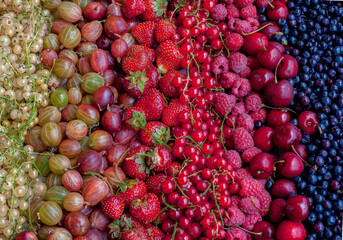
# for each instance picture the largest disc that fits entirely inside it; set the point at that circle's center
(161, 135)
(160, 7)
(138, 120)
(140, 160)
(138, 80)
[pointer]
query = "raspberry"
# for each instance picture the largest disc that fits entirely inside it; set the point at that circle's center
(262, 181)
(234, 42)
(220, 64)
(238, 109)
(219, 12)
(242, 173)
(251, 220)
(242, 139)
(249, 205)
(224, 103)
(235, 216)
(253, 102)
(235, 234)
(250, 153)
(245, 73)
(243, 3)
(254, 23)
(243, 27)
(232, 24)
(248, 11)
(237, 62)
(232, 157)
(245, 121)
(260, 114)
(227, 79)
(253, 63)
(241, 87)
(235, 199)
(250, 187)
(265, 202)
(232, 11)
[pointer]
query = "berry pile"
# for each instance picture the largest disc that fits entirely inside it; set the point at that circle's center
(313, 29)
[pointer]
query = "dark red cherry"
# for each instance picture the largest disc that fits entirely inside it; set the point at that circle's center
(266, 228)
(277, 45)
(290, 230)
(270, 30)
(297, 208)
(286, 135)
(260, 78)
(288, 67)
(261, 166)
(269, 57)
(277, 210)
(255, 42)
(263, 138)
(290, 165)
(276, 117)
(277, 10)
(282, 188)
(308, 121)
(300, 149)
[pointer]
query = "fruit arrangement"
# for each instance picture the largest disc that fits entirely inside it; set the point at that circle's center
(195, 119)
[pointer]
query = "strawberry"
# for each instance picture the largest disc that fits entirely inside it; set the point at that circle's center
(137, 83)
(113, 207)
(168, 56)
(144, 33)
(134, 163)
(138, 58)
(125, 223)
(154, 10)
(146, 208)
(134, 117)
(132, 8)
(132, 189)
(155, 233)
(166, 86)
(152, 103)
(159, 159)
(164, 30)
(153, 183)
(157, 130)
(135, 234)
(170, 114)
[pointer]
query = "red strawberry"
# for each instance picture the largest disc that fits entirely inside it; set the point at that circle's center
(134, 163)
(126, 222)
(113, 207)
(137, 83)
(154, 182)
(159, 130)
(170, 114)
(164, 30)
(154, 10)
(132, 189)
(166, 86)
(160, 159)
(144, 33)
(134, 117)
(138, 58)
(152, 103)
(155, 233)
(146, 208)
(133, 8)
(135, 234)
(168, 56)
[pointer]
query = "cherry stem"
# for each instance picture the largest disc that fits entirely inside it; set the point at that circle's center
(296, 153)
(257, 30)
(271, 5)
(277, 66)
(320, 130)
(282, 109)
(261, 209)
(277, 33)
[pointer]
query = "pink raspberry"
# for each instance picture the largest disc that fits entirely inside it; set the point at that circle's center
(254, 23)
(231, 121)
(219, 12)
(243, 27)
(265, 202)
(262, 3)
(242, 139)
(237, 62)
(262, 181)
(245, 73)
(250, 187)
(250, 153)
(243, 3)
(235, 199)
(260, 115)
(235, 216)
(238, 109)
(253, 63)
(232, 11)
(220, 64)
(253, 102)
(245, 121)
(251, 220)
(235, 234)
(227, 79)
(234, 42)
(248, 11)
(241, 87)
(233, 158)
(242, 173)
(224, 103)
(227, 1)
(249, 205)
(233, 23)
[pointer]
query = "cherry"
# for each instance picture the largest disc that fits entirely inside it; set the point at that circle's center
(278, 46)
(290, 230)
(270, 30)
(276, 117)
(288, 67)
(286, 135)
(260, 78)
(290, 165)
(255, 42)
(283, 188)
(269, 57)
(297, 208)
(277, 10)
(277, 210)
(267, 229)
(261, 166)
(300, 149)
(308, 122)
(263, 138)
